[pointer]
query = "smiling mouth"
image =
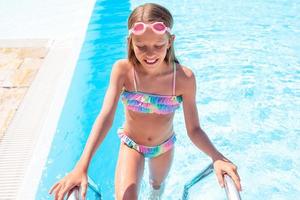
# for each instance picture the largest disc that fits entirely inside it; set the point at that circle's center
(151, 62)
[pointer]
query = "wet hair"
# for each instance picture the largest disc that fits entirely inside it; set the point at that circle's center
(148, 13)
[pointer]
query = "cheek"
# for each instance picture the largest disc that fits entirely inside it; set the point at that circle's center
(138, 53)
(163, 51)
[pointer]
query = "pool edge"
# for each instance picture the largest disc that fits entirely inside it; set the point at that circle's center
(28, 138)
(53, 89)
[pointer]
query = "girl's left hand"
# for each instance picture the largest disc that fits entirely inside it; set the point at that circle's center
(224, 166)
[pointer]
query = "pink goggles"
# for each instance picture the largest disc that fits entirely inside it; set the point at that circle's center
(157, 27)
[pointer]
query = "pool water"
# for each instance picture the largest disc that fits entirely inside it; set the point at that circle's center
(245, 55)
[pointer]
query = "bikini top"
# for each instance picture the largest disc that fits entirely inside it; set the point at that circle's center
(151, 103)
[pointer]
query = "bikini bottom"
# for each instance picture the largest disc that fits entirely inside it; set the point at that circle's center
(147, 151)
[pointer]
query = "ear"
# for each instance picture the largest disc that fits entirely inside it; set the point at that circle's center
(173, 37)
(171, 40)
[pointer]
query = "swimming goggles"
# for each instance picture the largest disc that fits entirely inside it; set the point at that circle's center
(157, 27)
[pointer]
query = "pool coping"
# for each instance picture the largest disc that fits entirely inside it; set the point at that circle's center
(26, 143)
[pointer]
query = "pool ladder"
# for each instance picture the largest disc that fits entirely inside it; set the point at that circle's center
(75, 195)
(231, 191)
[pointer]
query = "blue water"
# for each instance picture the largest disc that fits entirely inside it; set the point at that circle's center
(246, 58)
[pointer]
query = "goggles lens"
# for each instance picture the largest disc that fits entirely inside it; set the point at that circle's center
(159, 26)
(138, 27)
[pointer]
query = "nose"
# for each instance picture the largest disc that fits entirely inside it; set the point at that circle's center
(150, 53)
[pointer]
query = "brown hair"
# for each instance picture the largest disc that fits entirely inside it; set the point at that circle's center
(150, 12)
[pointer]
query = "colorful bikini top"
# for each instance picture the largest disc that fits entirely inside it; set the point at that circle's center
(151, 103)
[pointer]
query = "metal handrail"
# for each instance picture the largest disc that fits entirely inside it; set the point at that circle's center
(230, 188)
(231, 191)
(75, 194)
(204, 173)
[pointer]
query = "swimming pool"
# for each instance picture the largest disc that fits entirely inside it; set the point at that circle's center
(245, 55)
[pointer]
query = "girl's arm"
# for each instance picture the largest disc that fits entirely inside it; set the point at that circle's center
(105, 118)
(198, 136)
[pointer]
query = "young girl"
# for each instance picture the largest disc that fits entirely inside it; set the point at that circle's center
(152, 85)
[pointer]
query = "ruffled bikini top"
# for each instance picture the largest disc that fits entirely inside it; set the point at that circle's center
(151, 103)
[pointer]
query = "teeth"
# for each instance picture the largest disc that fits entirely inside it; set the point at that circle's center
(151, 61)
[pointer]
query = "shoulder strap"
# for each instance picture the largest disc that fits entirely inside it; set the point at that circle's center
(174, 78)
(134, 81)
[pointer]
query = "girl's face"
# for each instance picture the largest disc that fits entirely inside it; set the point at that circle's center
(151, 48)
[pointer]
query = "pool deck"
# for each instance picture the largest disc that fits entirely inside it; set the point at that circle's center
(18, 68)
(26, 137)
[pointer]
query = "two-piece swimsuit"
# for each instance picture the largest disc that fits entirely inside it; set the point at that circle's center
(150, 103)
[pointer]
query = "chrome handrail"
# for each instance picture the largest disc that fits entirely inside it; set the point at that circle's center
(75, 194)
(231, 191)
(230, 188)
(204, 173)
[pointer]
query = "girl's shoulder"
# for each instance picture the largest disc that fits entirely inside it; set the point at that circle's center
(184, 73)
(185, 79)
(123, 65)
(121, 71)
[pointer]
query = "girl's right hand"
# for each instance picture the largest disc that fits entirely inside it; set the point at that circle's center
(65, 185)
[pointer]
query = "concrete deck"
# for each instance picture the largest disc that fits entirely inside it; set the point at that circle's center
(59, 30)
(18, 68)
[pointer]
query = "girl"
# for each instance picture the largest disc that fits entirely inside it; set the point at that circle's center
(152, 85)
